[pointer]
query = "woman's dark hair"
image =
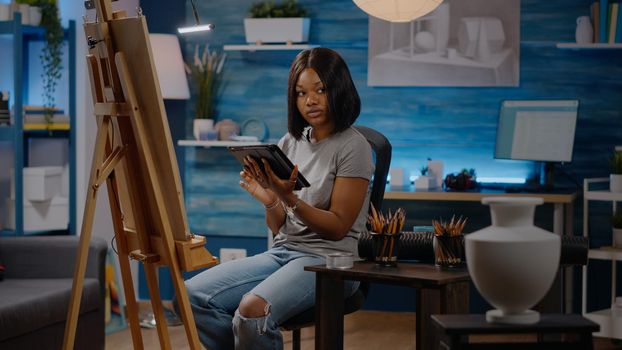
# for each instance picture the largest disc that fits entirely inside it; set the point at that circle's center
(344, 104)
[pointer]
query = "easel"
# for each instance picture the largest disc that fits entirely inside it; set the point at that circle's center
(134, 155)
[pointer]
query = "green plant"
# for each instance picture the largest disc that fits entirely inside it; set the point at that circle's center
(616, 162)
(206, 73)
(51, 55)
(616, 219)
(424, 170)
(270, 9)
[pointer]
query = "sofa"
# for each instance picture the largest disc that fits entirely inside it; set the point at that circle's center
(36, 289)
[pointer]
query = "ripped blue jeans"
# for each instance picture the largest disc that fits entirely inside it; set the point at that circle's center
(277, 276)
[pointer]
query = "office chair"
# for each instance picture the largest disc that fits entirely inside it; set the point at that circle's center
(382, 155)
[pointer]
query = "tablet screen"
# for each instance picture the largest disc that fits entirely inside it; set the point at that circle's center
(280, 164)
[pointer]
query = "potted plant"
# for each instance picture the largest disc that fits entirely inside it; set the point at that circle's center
(615, 178)
(616, 227)
(206, 78)
(270, 22)
(52, 54)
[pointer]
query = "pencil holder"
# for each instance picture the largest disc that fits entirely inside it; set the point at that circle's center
(449, 251)
(385, 247)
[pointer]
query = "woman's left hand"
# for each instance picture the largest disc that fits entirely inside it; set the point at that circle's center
(279, 186)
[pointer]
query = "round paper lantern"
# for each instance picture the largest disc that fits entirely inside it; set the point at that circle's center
(397, 10)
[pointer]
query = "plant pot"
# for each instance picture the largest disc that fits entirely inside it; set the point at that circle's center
(34, 14)
(201, 127)
(277, 30)
(617, 237)
(615, 182)
(512, 262)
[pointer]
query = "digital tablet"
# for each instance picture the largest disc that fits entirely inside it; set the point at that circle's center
(280, 164)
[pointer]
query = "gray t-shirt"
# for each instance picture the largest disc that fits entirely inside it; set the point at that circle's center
(345, 154)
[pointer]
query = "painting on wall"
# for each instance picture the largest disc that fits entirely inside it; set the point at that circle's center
(461, 43)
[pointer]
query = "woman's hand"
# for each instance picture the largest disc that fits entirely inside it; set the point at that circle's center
(251, 185)
(280, 187)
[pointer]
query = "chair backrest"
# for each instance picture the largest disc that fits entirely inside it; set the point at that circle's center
(382, 151)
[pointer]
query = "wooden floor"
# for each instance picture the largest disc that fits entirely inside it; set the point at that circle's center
(362, 330)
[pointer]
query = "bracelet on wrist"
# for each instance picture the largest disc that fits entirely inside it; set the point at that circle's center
(272, 205)
(291, 210)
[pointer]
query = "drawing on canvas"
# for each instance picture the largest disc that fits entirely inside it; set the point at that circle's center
(461, 43)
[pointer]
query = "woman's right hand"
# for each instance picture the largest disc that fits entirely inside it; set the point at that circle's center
(264, 195)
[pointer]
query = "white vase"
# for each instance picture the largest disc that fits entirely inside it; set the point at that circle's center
(584, 34)
(201, 127)
(615, 182)
(512, 262)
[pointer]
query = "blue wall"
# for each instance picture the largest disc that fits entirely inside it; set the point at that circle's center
(456, 125)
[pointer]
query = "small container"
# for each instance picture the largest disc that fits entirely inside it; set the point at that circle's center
(385, 247)
(339, 260)
(448, 251)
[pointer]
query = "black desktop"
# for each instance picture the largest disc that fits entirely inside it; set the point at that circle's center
(542, 131)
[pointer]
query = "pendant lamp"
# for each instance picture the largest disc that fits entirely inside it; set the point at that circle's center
(397, 10)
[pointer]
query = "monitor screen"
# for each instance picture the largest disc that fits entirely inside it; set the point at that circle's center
(537, 130)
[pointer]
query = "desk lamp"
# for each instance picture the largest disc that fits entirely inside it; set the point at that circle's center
(397, 10)
(197, 27)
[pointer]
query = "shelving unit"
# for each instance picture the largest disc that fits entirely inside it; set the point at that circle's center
(610, 324)
(22, 36)
(594, 46)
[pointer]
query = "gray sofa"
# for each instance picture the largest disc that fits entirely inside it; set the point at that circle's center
(35, 293)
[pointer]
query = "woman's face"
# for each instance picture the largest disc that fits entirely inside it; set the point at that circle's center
(311, 100)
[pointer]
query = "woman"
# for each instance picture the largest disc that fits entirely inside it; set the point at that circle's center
(242, 303)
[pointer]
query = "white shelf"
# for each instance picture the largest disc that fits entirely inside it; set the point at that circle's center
(603, 195)
(610, 325)
(201, 143)
(605, 253)
(268, 47)
(596, 46)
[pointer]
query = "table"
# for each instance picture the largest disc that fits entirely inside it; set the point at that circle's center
(440, 291)
(560, 295)
(562, 200)
(453, 330)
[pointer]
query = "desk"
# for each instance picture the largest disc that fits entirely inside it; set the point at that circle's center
(563, 201)
(439, 292)
(563, 208)
(455, 329)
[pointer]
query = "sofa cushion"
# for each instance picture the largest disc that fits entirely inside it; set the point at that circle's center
(31, 304)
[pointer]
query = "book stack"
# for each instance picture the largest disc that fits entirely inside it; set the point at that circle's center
(607, 21)
(5, 117)
(35, 118)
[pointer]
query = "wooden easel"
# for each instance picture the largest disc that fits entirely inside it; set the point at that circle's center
(134, 155)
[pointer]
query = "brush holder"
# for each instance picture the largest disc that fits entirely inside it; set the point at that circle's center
(385, 247)
(448, 251)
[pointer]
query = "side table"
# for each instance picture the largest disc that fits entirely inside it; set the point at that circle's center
(453, 332)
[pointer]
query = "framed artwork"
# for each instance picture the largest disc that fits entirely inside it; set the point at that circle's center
(461, 43)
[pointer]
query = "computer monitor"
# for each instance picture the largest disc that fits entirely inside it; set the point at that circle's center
(537, 130)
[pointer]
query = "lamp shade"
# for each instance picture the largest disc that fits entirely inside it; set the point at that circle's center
(397, 10)
(169, 66)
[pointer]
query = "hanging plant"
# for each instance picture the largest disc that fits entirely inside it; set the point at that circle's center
(51, 55)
